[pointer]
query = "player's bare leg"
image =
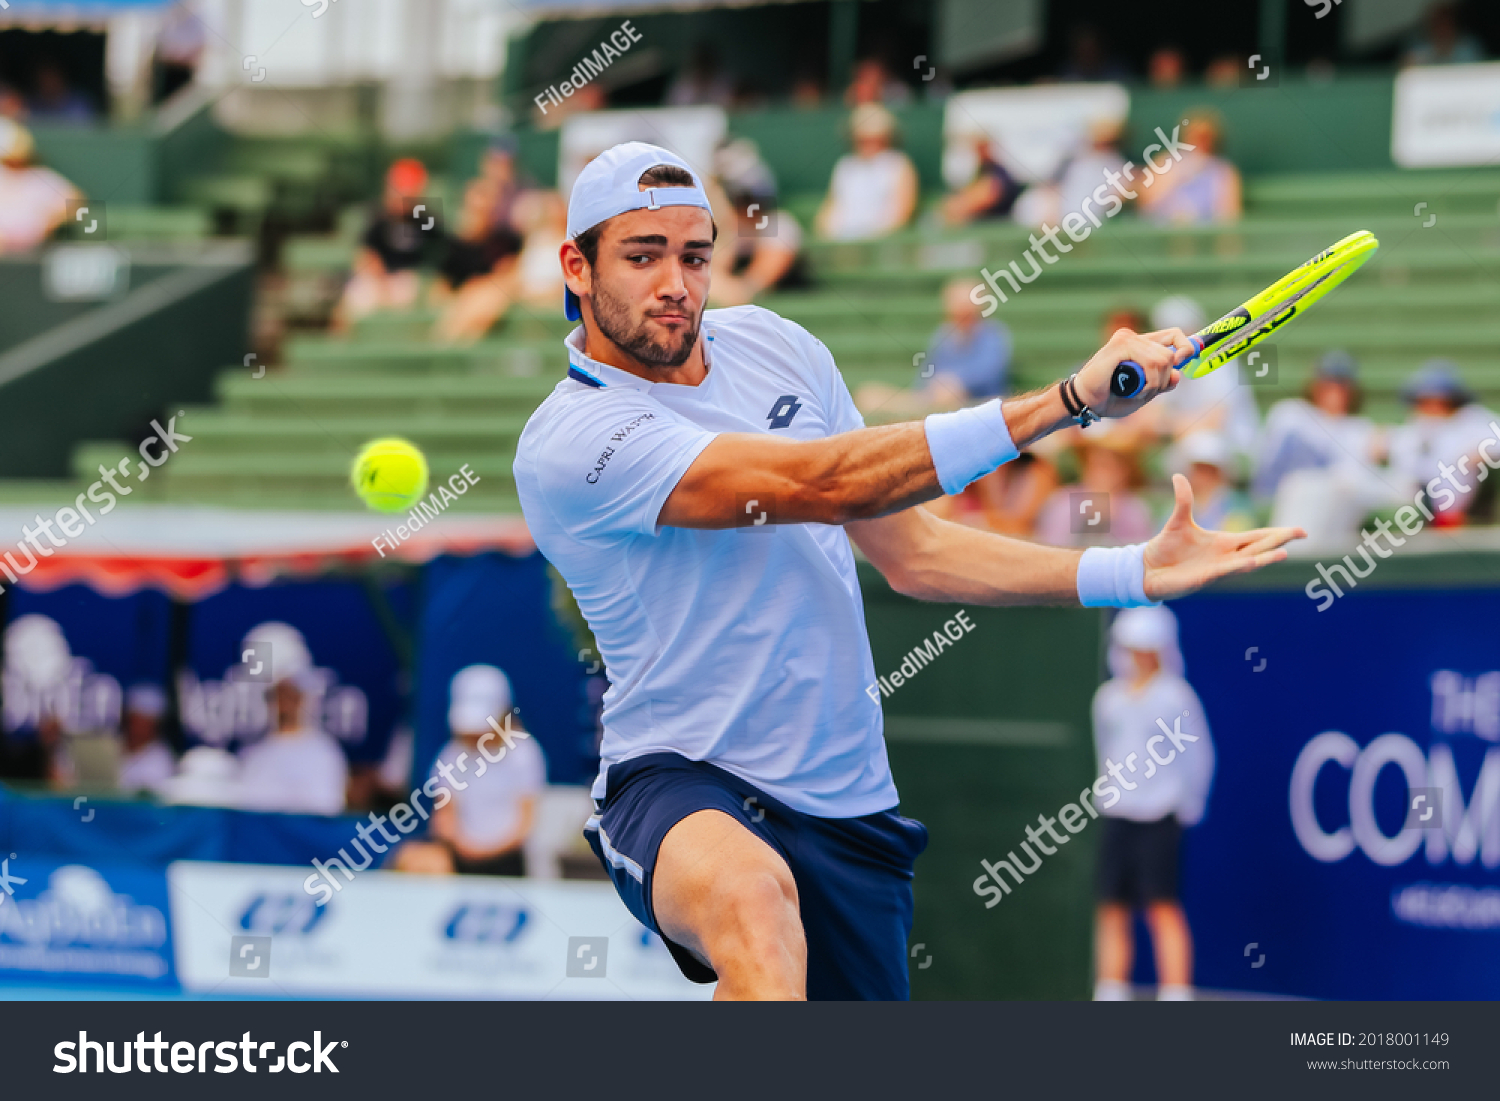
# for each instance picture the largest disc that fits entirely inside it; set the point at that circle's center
(1173, 943)
(726, 895)
(1114, 948)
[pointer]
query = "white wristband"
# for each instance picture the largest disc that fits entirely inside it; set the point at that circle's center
(1113, 577)
(968, 444)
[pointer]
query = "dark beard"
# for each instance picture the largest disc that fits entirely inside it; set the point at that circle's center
(612, 316)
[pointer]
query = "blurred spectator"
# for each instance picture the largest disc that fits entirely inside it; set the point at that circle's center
(33, 200)
(874, 189)
(497, 167)
(1209, 463)
(179, 48)
(473, 283)
(147, 760)
(702, 81)
(54, 100)
(872, 82)
(1224, 71)
(297, 767)
(1318, 430)
(992, 193)
(1103, 507)
(1089, 58)
(1442, 40)
(12, 103)
(392, 248)
(1077, 179)
(542, 220)
(37, 660)
(807, 87)
(207, 776)
(1201, 188)
(1167, 67)
(1317, 459)
(1144, 816)
(493, 808)
(967, 360)
(764, 252)
(1441, 435)
(36, 758)
(1218, 402)
(1006, 501)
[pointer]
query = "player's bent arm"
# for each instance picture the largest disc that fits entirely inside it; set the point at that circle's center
(874, 471)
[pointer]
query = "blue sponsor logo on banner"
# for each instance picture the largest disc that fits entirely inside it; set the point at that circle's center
(1353, 832)
(79, 923)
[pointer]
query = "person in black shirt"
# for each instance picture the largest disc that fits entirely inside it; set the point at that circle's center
(404, 235)
(476, 275)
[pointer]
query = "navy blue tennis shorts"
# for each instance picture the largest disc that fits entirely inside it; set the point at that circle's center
(853, 875)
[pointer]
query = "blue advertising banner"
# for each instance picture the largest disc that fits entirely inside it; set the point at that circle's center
(360, 688)
(1351, 847)
(105, 643)
(94, 924)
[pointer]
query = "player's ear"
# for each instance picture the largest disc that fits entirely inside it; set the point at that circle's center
(577, 273)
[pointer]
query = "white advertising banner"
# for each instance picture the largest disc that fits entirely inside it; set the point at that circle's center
(1032, 131)
(1446, 115)
(246, 929)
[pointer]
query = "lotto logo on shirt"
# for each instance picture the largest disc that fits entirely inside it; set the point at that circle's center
(757, 511)
(783, 411)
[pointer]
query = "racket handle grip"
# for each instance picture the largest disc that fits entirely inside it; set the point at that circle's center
(1128, 380)
(1129, 377)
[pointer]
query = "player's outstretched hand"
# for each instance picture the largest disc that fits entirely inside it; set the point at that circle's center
(1159, 353)
(1183, 557)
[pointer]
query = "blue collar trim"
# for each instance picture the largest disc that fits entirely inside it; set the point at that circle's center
(584, 377)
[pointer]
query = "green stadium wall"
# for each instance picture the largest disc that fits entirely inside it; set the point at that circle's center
(992, 734)
(1342, 125)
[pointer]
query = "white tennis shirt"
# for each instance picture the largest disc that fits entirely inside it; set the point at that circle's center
(747, 647)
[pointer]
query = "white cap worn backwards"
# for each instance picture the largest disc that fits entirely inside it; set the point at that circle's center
(610, 185)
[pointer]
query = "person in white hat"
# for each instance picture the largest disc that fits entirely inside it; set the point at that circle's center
(745, 807)
(298, 767)
(147, 760)
(1209, 463)
(873, 190)
(1156, 764)
(495, 773)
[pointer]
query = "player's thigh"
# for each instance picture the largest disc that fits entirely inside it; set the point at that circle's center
(716, 881)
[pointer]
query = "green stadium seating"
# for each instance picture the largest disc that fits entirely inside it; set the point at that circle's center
(286, 439)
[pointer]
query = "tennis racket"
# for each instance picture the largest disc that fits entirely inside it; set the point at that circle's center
(1249, 324)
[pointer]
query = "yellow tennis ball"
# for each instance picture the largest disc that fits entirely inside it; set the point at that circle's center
(390, 475)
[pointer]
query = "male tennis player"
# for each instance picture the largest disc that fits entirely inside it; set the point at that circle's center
(744, 807)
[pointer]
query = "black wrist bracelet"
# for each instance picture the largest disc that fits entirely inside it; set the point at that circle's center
(1069, 399)
(1077, 409)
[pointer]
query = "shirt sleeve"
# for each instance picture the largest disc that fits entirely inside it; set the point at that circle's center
(609, 464)
(840, 411)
